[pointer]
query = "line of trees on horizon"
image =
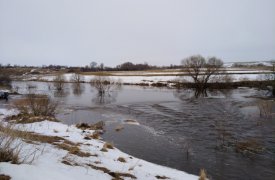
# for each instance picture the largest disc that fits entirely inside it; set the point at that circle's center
(94, 66)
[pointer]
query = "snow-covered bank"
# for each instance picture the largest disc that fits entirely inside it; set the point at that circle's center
(49, 164)
(150, 79)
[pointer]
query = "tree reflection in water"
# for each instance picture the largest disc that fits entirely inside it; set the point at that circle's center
(185, 94)
(105, 98)
(78, 89)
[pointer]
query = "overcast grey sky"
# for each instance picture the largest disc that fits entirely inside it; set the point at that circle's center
(160, 32)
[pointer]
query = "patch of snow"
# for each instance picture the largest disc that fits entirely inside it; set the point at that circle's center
(48, 165)
(7, 112)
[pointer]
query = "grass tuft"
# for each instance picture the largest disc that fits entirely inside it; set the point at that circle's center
(203, 175)
(121, 159)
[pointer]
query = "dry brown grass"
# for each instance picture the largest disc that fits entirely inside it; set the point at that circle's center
(10, 135)
(97, 126)
(251, 146)
(12, 146)
(29, 118)
(121, 159)
(104, 149)
(108, 145)
(36, 105)
(119, 128)
(203, 175)
(73, 149)
(4, 177)
(115, 175)
(162, 177)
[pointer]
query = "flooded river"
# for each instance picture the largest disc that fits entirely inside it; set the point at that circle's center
(222, 133)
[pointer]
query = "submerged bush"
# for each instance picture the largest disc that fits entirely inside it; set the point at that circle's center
(104, 84)
(59, 82)
(37, 105)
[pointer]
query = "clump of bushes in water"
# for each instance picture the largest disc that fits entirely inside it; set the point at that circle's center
(59, 82)
(104, 84)
(36, 105)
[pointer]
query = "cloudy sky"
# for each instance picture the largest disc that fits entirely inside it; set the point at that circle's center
(160, 32)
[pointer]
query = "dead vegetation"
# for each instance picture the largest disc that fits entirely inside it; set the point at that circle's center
(250, 146)
(12, 143)
(28, 118)
(77, 78)
(12, 146)
(107, 146)
(115, 175)
(162, 177)
(203, 175)
(121, 159)
(72, 149)
(85, 126)
(36, 105)
(94, 135)
(59, 82)
(119, 128)
(4, 177)
(104, 84)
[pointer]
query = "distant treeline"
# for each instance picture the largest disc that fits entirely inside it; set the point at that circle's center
(93, 67)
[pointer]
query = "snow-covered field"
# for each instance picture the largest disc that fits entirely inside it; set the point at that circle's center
(139, 79)
(48, 162)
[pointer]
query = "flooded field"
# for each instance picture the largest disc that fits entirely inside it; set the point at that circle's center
(222, 133)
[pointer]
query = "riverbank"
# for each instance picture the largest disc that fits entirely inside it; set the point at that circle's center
(93, 159)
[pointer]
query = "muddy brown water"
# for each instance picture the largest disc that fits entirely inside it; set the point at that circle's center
(177, 130)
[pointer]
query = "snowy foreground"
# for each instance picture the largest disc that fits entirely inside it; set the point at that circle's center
(49, 160)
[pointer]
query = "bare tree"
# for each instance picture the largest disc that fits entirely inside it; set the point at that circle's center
(201, 70)
(59, 82)
(102, 84)
(77, 78)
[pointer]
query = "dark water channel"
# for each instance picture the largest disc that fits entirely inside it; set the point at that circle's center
(177, 130)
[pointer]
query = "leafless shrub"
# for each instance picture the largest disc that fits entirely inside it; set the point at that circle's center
(36, 105)
(104, 84)
(59, 82)
(77, 78)
(201, 70)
